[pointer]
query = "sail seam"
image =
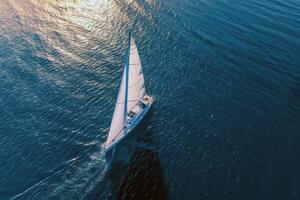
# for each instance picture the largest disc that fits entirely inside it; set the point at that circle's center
(127, 101)
(135, 84)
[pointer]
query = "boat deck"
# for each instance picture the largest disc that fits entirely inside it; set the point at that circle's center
(137, 110)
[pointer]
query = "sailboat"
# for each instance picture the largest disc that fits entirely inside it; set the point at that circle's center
(132, 102)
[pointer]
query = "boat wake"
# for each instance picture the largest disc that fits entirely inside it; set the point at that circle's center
(77, 176)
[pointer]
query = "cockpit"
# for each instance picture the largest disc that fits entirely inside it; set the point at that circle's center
(131, 114)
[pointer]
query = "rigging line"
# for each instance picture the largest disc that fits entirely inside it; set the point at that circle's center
(118, 131)
(127, 101)
(135, 84)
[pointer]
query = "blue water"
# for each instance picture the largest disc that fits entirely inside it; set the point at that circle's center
(226, 80)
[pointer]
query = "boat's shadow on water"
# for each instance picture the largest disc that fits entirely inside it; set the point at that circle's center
(143, 178)
(135, 172)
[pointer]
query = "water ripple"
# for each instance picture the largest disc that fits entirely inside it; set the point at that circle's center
(224, 74)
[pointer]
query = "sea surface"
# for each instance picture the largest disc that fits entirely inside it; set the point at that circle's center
(225, 75)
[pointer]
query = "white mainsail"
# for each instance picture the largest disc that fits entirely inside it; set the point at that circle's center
(136, 88)
(133, 87)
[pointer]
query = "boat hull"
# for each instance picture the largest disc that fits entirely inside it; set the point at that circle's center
(130, 128)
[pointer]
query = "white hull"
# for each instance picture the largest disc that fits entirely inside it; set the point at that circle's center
(131, 124)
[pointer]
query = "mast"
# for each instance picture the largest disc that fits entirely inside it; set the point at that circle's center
(127, 76)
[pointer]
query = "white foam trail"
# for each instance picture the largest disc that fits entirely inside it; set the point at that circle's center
(75, 177)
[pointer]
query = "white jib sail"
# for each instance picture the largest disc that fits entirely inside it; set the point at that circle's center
(117, 123)
(136, 88)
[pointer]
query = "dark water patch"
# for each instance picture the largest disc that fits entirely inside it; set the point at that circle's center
(144, 166)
